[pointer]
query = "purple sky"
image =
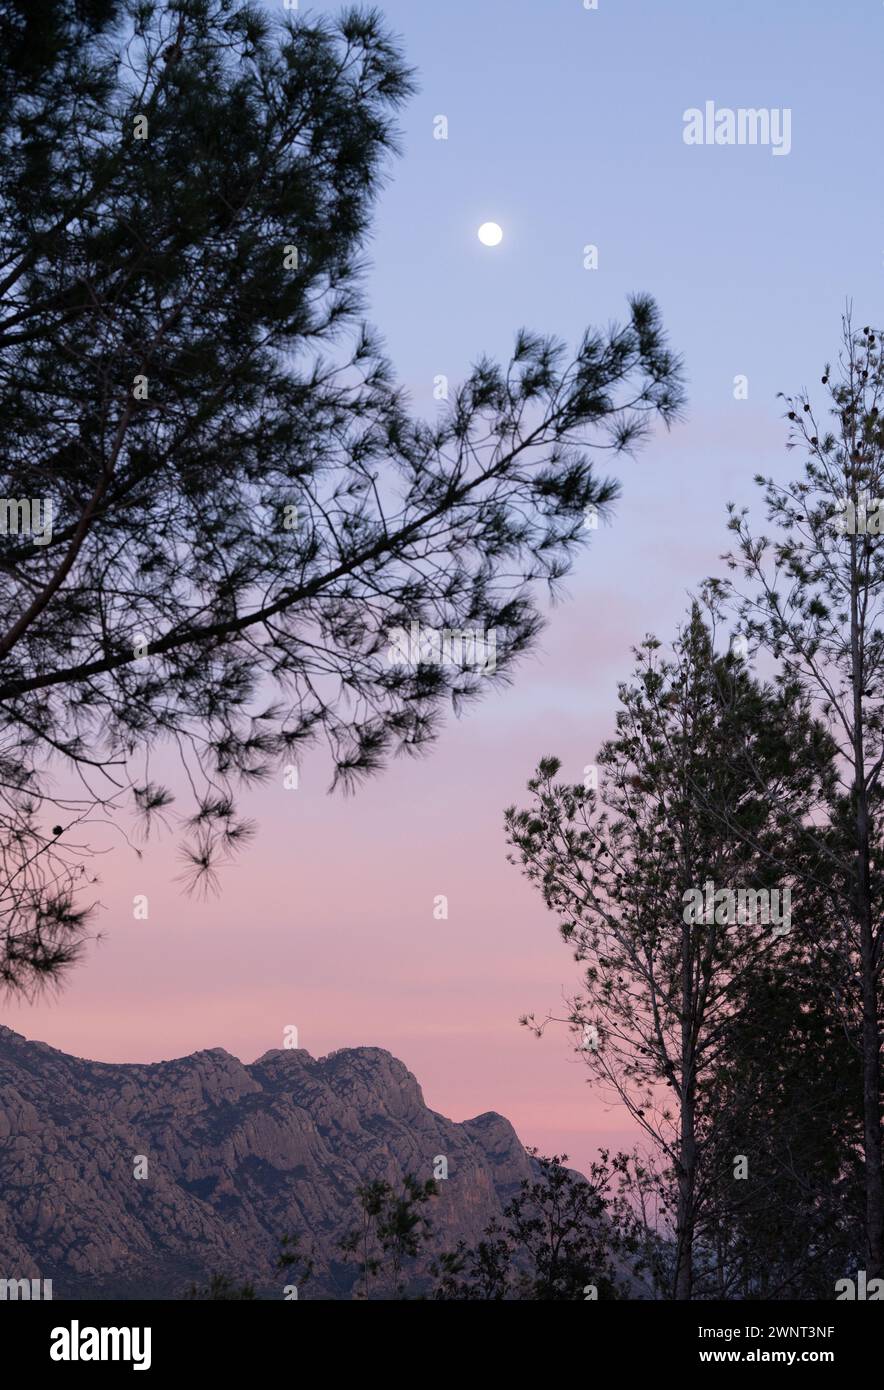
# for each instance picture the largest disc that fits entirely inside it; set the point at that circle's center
(565, 126)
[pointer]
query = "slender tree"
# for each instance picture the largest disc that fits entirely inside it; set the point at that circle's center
(812, 599)
(223, 506)
(392, 1234)
(625, 865)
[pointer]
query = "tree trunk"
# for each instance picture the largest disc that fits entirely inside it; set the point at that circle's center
(871, 1041)
(687, 1148)
(874, 1173)
(687, 1169)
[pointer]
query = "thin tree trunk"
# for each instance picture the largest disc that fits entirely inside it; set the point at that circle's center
(874, 1173)
(687, 1149)
(871, 1041)
(687, 1169)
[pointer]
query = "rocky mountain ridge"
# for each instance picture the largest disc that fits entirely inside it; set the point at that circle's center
(233, 1158)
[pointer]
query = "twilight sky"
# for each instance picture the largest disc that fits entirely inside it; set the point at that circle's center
(565, 126)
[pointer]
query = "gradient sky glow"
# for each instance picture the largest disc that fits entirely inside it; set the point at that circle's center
(565, 126)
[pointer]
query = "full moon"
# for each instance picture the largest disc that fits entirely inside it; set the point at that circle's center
(490, 234)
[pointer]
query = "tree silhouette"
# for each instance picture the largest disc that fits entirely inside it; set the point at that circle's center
(787, 1098)
(394, 1230)
(555, 1244)
(618, 863)
(811, 597)
(243, 507)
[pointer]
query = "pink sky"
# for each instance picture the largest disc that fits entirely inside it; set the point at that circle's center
(326, 922)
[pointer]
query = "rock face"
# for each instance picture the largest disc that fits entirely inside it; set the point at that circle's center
(237, 1156)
